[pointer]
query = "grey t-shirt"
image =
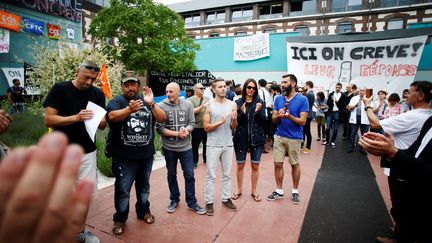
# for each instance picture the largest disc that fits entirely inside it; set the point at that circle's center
(180, 115)
(222, 136)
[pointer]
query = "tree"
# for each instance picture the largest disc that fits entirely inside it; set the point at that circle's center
(53, 67)
(150, 36)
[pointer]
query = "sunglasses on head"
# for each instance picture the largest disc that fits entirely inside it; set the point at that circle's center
(91, 68)
(251, 87)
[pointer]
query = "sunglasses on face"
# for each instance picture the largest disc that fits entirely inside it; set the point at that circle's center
(201, 88)
(91, 68)
(250, 87)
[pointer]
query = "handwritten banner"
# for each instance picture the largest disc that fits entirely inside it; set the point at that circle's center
(9, 21)
(251, 47)
(33, 26)
(4, 41)
(385, 64)
(14, 73)
(159, 80)
(54, 31)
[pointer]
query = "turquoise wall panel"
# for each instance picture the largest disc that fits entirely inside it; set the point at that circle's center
(217, 54)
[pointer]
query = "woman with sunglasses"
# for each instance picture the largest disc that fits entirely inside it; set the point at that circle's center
(249, 135)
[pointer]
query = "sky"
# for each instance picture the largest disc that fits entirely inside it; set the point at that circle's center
(166, 2)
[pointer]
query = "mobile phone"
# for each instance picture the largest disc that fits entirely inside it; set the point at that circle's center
(369, 93)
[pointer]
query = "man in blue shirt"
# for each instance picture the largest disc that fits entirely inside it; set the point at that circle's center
(290, 112)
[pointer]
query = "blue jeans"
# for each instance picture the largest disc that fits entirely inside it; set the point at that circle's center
(332, 121)
(353, 129)
(126, 172)
(187, 164)
(255, 154)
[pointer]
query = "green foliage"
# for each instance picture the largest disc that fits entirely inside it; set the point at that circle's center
(103, 163)
(150, 36)
(25, 130)
(52, 67)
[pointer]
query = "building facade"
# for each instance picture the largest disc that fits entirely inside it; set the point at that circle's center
(206, 18)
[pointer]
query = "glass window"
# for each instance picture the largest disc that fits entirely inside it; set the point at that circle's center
(192, 20)
(240, 33)
(303, 30)
(395, 24)
(270, 11)
(214, 34)
(242, 14)
(298, 8)
(346, 5)
(392, 3)
(269, 30)
(345, 27)
(215, 17)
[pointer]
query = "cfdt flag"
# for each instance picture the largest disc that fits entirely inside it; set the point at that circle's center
(33, 26)
(104, 82)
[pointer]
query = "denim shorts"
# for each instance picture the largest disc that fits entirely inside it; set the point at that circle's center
(255, 153)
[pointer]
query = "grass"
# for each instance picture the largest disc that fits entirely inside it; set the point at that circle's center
(28, 127)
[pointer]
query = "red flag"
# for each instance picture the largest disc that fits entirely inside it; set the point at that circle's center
(104, 83)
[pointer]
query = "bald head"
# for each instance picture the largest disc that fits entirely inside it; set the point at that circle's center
(172, 92)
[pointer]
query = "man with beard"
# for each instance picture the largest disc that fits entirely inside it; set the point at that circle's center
(175, 133)
(131, 118)
(290, 114)
(65, 111)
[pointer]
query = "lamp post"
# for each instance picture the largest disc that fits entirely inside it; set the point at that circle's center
(323, 9)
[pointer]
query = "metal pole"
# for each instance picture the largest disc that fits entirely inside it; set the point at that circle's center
(323, 8)
(369, 15)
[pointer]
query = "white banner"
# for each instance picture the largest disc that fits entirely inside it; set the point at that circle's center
(14, 73)
(251, 47)
(4, 41)
(386, 64)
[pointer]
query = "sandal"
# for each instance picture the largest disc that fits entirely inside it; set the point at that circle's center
(118, 228)
(256, 198)
(236, 196)
(149, 218)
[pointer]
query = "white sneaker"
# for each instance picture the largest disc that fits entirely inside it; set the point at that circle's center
(333, 144)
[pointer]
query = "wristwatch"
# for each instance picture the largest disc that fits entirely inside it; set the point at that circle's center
(367, 107)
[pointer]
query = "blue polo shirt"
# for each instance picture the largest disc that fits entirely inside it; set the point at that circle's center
(286, 128)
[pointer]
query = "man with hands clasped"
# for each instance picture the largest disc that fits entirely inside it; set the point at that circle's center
(132, 119)
(219, 120)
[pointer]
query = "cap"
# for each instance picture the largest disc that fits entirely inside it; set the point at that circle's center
(382, 91)
(129, 76)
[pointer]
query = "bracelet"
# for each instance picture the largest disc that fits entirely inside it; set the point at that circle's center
(367, 107)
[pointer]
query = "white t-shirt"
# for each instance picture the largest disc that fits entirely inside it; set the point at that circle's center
(336, 97)
(406, 127)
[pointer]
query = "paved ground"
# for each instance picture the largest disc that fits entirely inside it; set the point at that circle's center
(278, 221)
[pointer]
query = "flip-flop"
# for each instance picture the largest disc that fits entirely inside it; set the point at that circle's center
(256, 198)
(236, 196)
(149, 218)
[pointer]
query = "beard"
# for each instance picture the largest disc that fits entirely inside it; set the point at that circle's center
(287, 91)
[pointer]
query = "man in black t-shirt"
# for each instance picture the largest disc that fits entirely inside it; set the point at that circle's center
(65, 111)
(15, 96)
(132, 118)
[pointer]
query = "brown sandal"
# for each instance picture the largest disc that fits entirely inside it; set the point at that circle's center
(118, 228)
(149, 218)
(256, 198)
(236, 196)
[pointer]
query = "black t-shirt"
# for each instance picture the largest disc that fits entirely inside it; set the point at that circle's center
(132, 138)
(68, 101)
(17, 94)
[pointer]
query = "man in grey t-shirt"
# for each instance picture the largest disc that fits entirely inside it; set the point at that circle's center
(219, 120)
(176, 145)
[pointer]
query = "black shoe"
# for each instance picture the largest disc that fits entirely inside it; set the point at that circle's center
(230, 205)
(349, 151)
(209, 209)
(274, 196)
(197, 209)
(172, 206)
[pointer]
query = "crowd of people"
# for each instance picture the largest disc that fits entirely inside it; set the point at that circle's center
(227, 119)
